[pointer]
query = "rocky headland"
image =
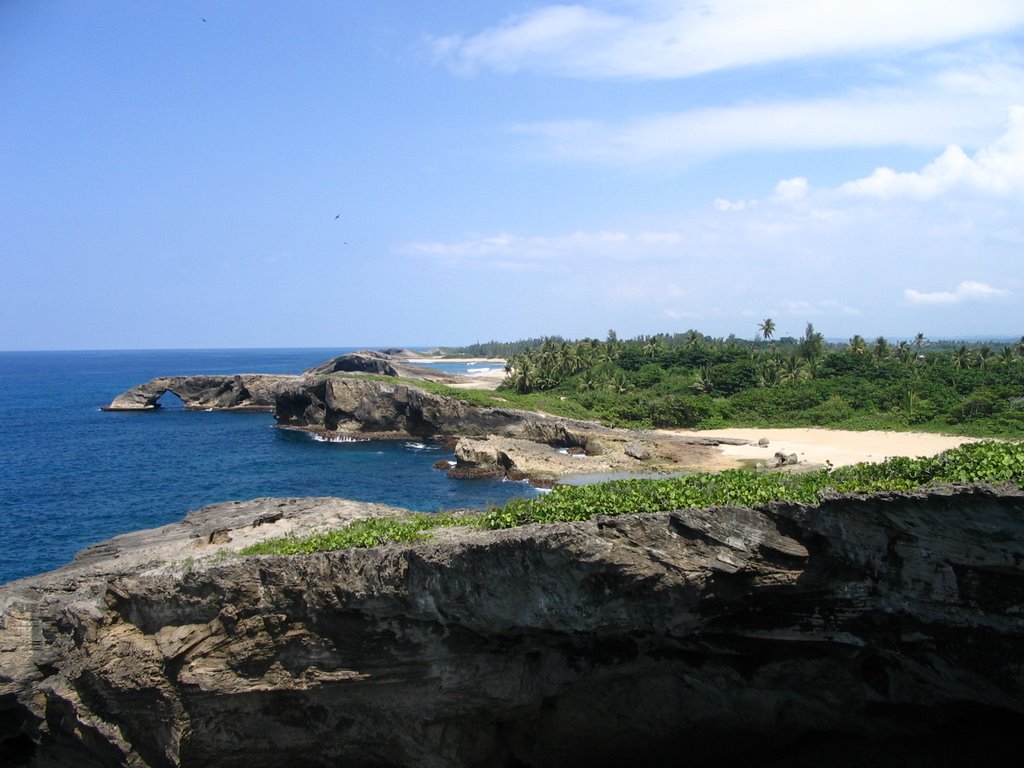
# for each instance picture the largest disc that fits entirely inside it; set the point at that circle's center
(881, 630)
(489, 441)
(259, 391)
(338, 400)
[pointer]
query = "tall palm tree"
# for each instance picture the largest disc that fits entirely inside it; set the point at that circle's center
(767, 328)
(881, 348)
(1006, 355)
(903, 352)
(858, 346)
(984, 355)
(693, 338)
(919, 341)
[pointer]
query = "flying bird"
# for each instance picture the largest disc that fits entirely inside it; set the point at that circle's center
(337, 217)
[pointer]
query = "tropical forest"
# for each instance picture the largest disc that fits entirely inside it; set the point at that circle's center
(691, 380)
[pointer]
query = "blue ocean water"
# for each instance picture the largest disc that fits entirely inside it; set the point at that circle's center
(72, 475)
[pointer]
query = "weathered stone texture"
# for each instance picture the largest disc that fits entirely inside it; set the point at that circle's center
(879, 630)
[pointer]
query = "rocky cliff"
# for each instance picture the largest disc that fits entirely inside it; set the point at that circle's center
(259, 391)
(493, 440)
(884, 630)
(246, 391)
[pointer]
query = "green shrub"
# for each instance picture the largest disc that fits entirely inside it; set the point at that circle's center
(989, 462)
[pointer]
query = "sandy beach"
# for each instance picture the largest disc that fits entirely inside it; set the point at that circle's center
(487, 379)
(816, 446)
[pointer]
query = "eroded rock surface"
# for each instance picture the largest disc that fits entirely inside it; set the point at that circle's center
(493, 439)
(883, 630)
(259, 391)
(245, 391)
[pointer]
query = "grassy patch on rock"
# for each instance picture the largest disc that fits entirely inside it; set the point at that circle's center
(985, 462)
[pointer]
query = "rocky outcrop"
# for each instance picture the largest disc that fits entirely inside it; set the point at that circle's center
(879, 630)
(258, 391)
(383, 363)
(494, 440)
(247, 391)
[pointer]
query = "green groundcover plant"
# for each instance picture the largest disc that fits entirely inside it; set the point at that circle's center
(983, 462)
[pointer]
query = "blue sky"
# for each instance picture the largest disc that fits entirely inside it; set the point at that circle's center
(507, 169)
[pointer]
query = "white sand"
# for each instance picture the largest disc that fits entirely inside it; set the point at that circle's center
(491, 360)
(482, 379)
(816, 446)
(489, 379)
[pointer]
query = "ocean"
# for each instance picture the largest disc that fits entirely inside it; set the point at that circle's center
(72, 475)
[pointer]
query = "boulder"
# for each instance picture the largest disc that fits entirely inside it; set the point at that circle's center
(783, 459)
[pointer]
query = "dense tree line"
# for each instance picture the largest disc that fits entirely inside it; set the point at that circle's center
(693, 380)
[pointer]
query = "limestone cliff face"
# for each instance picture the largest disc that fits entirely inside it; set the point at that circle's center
(867, 630)
(498, 440)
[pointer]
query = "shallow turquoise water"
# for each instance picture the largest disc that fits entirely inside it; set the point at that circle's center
(72, 475)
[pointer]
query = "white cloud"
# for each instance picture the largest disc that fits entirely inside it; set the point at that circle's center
(791, 189)
(998, 170)
(721, 204)
(803, 308)
(551, 251)
(966, 291)
(680, 38)
(924, 111)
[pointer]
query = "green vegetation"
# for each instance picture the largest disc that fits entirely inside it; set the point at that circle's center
(990, 462)
(691, 380)
(368, 532)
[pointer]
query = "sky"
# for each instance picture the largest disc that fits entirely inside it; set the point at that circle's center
(178, 174)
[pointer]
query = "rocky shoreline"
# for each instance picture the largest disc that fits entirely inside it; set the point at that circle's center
(880, 630)
(337, 400)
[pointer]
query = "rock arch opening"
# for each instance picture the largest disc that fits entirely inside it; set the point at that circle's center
(169, 400)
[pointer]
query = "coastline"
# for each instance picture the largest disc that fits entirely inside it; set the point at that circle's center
(814, 446)
(489, 379)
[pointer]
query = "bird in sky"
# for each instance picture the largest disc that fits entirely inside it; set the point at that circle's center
(337, 217)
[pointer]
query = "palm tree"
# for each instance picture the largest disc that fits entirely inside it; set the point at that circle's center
(919, 341)
(812, 345)
(523, 373)
(962, 357)
(703, 381)
(620, 383)
(984, 355)
(1006, 355)
(858, 346)
(903, 352)
(770, 373)
(881, 348)
(588, 381)
(794, 368)
(767, 328)
(694, 338)
(652, 347)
